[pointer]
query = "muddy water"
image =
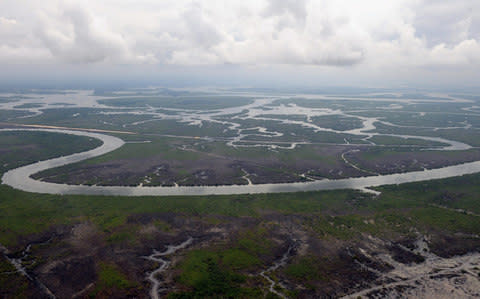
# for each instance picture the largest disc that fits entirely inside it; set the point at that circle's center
(280, 263)
(19, 178)
(160, 258)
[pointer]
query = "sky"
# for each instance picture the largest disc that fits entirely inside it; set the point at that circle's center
(369, 43)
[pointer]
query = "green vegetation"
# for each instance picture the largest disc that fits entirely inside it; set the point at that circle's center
(337, 122)
(240, 235)
(204, 274)
(22, 148)
(238, 259)
(295, 132)
(340, 214)
(390, 159)
(395, 141)
(81, 118)
(110, 276)
(111, 279)
(7, 115)
(219, 272)
(183, 102)
(181, 160)
(12, 284)
(29, 105)
(15, 98)
(399, 206)
(305, 269)
(470, 136)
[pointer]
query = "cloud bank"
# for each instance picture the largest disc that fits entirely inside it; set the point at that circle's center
(369, 34)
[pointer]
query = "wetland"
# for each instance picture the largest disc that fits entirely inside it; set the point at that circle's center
(415, 233)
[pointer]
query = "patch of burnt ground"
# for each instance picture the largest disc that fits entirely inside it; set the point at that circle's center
(450, 245)
(317, 267)
(404, 256)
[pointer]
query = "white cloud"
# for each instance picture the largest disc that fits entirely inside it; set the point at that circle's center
(7, 22)
(76, 35)
(369, 34)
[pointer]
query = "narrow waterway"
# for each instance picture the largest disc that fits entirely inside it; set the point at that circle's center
(277, 264)
(17, 261)
(160, 258)
(20, 178)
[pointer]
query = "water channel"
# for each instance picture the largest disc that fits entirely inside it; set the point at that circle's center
(20, 178)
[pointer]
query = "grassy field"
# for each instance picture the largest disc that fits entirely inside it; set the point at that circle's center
(181, 102)
(29, 105)
(395, 141)
(183, 161)
(24, 213)
(13, 98)
(408, 205)
(22, 148)
(470, 136)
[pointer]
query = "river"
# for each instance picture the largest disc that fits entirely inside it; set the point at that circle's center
(20, 178)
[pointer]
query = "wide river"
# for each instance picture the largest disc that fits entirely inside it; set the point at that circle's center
(20, 178)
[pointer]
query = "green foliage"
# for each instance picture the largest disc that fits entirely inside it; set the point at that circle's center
(12, 283)
(216, 272)
(203, 272)
(120, 237)
(6, 115)
(391, 140)
(337, 122)
(304, 269)
(340, 214)
(110, 276)
(27, 213)
(182, 102)
(255, 242)
(22, 148)
(29, 105)
(237, 259)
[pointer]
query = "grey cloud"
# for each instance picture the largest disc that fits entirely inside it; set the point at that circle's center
(6, 21)
(200, 31)
(297, 8)
(75, 37)
(288, 13)
(372, 34)
(448, 21)
(332, 59)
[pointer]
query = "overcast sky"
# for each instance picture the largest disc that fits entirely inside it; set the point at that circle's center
(325, 42)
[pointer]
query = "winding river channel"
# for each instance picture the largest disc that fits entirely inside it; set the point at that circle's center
(20, 178)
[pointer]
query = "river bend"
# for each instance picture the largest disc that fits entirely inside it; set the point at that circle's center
(20, 178)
